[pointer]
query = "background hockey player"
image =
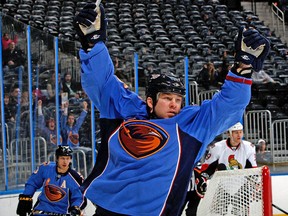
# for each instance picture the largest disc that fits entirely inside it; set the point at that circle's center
(148, 149)
(229, 154)
(60, 188)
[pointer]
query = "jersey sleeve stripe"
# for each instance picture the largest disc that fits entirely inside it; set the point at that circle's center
(240, 80)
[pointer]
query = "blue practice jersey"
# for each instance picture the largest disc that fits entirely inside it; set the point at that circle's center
(49, 135)
(135, 150)
(59, 191)
(71, 134)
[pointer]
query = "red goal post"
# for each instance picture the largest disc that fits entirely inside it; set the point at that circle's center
(245, 192)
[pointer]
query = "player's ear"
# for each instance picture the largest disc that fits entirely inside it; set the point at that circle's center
(149, 102)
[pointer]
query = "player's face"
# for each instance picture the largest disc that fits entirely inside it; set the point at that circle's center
(68, 78)
(71, 120)
(63, 163)
(6, 36)
(236, 137)
(168, 105)
(51, 125)
(6, 99)
(263, 147)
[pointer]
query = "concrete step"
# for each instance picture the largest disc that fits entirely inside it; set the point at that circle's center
(264, 12)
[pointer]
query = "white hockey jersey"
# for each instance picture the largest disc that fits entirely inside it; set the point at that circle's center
(231, 157)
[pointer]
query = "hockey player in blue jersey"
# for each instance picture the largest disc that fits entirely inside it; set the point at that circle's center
(149, 148)
(60, 184)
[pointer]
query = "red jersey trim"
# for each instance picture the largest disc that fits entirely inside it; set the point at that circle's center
(240, 80)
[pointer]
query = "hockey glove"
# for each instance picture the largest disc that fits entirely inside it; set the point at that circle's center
(221, 166)
(90, 25)
(201, 185)
(75, 211)
(24, 205)
(251, 48)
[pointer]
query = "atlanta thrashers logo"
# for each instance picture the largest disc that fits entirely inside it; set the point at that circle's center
(141, 139)
(74, 138)
(53, 192)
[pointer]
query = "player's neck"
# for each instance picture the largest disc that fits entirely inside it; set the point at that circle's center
(231, 143)
(62, 170)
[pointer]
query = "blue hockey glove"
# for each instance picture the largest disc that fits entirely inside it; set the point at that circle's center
(24, 205)
(251, 48)
(90, 25)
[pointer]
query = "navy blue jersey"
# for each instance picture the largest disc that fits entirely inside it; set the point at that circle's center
(144, 166)
(59, 191)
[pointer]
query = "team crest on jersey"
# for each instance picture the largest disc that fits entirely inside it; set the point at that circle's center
(141, 139)
(53, 139)
(74, 138)
(53, 192)
(233, 163)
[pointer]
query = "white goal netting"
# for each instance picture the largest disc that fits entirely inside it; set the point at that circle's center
(245, 192)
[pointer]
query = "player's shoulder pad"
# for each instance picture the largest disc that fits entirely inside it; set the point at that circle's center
(219, 144)
(212, 146)
(45, 163)
(43, 166)
(247, 143)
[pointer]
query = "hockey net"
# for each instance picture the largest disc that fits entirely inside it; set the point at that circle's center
(243, 192)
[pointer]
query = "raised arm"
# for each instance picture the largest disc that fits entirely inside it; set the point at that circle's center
(82, 116)
(41, 120)
(227, 107)
(111, 96)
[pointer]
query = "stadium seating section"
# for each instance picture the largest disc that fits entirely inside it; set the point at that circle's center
(163, 32)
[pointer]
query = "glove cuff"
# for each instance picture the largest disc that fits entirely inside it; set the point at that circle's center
(241, 71)
(25, 197)
(245, 58)
(88, 41)
(205, 175)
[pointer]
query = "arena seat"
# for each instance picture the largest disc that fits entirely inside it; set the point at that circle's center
(55, 2)
(29, 2)
(170, 27)
(51, 24)
(192, 51)
(11, 8)
(24, 7)
(279, 115)
(213, 58)
(68, 3)
(221, 7)
(219, 13)
(51, 7)
(255, 106)
(41, 2)
(196, 59)
(38, 19)
(284, 108)
(155, 45)
(146, 38)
